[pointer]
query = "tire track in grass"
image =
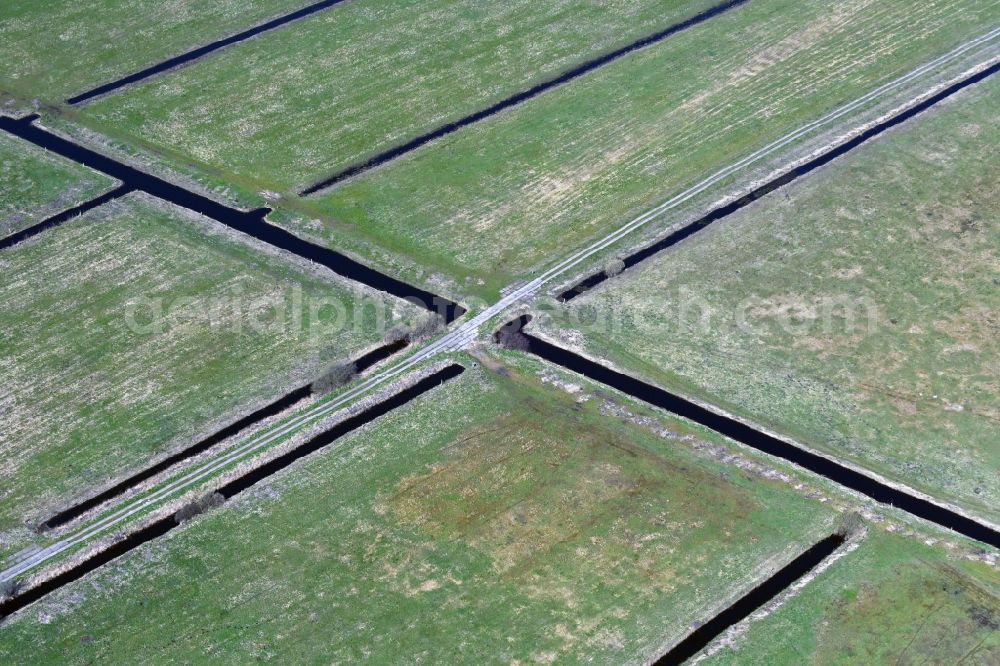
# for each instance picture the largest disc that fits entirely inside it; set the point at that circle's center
(189, 56)
(232, 488)
(519, 98)
(512, 335)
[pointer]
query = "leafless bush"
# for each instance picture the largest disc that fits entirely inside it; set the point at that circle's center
(335, 376)
(614, 267)
(198, 507)
(427, 328)
(511, 337)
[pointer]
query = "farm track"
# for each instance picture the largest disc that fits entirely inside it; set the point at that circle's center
(251, 223)
(848, 477)
(201, 51)
(786, 178)
(463, 335)
(64, 216)
(164, 525)
(274, 408)
(519, 98)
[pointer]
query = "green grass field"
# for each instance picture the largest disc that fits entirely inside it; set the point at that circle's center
(54, 49)
(354, 81)
(35, 184)
(518, 513)
(493, 519)
(893, 601)
(903, 229)
(91, 388)
(498, 200)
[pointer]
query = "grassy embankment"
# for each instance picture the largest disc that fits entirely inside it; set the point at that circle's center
(904, 229)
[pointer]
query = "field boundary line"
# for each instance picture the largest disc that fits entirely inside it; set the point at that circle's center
(786, 175)
(237, 485)
(205, 444)
(845, 474)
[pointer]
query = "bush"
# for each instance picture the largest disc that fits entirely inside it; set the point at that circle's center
(850, 524)
(614, 267)
(335, 376)
(198, 507)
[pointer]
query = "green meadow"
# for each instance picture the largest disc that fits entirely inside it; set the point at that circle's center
(362, 77)
(892, 601)
(138, 328)
(495, 518)
(854, 310)
(499, 200)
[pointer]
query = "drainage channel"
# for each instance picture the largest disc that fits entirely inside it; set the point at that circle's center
(234, 487)
(251, 223)
(519, 98)
(281, 404)
(745, 434)
(780, 181)
(63, 216)
(194, 54)
(699, 639)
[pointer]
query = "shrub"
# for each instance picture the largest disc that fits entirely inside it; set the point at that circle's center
(198, 507)
(614, 267)
(427, 328)
(510, 337)
(850, 524)
(9, 588)
(397, 333)
(335, 376)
